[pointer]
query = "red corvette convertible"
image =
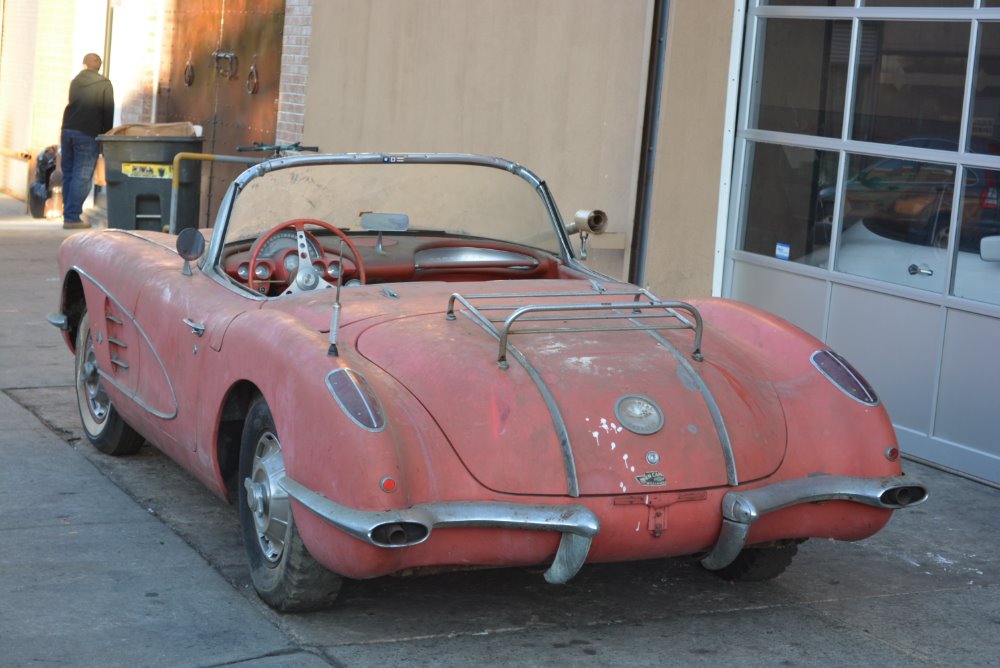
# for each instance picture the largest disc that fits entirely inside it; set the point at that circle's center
(396, 362)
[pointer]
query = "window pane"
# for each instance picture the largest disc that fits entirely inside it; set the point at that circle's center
(810, 3)
(984, 129)
(804, 75)
(896, 219)
(977, 269)
(910, 83)
(790, 202)
(918, 3)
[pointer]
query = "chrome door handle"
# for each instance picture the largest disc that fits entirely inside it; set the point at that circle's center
(922, 270)
(197, 328)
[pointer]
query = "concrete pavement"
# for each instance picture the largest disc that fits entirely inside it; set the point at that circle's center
(130, 562)
(88, 577)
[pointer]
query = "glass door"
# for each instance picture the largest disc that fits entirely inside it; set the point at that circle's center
(865, 206)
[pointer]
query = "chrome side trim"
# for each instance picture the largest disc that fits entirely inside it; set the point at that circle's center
(577, 524)
(132, 233)
(558, 423)
(107, 377)
(741, 509)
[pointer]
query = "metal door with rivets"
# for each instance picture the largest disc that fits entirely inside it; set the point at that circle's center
(225, 73)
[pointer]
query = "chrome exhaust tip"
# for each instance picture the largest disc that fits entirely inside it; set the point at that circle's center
(399, 534)
(903, 496)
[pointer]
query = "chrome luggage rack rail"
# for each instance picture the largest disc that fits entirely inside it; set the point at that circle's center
(643, 313)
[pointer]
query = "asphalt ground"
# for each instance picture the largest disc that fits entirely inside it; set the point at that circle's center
(130, 562)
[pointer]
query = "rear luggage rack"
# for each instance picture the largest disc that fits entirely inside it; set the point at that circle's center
(643, 313)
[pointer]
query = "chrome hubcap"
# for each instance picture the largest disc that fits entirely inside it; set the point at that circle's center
(266, 499)
(89, 380)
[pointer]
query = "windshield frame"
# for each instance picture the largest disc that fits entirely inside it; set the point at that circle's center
(213, 258)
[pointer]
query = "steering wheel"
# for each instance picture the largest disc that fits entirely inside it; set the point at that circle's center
(306, 277)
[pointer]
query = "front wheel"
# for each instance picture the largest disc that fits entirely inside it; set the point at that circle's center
(104, 427)
(284, 574)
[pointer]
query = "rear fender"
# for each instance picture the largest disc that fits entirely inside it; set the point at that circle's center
(828, 431)
(324, 449)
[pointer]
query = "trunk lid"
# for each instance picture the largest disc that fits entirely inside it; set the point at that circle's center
(501, 422)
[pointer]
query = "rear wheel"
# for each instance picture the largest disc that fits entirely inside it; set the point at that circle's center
(756, 564)
(284, 574)
(105, 429)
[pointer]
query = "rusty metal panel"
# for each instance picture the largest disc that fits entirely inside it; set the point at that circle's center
(195, 36)
(231, 53)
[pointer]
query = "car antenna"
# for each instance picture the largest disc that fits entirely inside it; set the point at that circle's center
(335, 317)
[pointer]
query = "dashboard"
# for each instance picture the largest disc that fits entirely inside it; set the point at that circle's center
(393, 258)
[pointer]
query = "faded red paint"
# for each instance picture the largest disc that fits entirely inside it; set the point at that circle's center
(461, 428)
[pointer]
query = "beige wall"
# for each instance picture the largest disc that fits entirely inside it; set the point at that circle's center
(690, 164)
(558, 86)
(43, 45)
(17, 49)
(137, 58)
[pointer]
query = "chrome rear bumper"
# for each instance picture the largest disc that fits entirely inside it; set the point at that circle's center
(741, 509)
(578, 525)
(412, 526)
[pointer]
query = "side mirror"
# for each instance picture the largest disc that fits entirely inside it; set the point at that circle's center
(587, 222)
(190, 246)
(989, 249)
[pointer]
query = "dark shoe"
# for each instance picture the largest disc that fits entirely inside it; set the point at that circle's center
(75, 225)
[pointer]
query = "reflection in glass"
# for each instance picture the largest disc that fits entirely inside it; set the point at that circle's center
(984, 126)
(911, 85)
(804, 76)
(790, 203)
(896, 218)
(977, 267)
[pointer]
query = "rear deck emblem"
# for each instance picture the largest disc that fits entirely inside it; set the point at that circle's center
(652, 479)
(639, 414)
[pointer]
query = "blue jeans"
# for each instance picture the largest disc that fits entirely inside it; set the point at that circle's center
(79, 156)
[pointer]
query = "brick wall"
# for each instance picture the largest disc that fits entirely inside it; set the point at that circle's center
(294, 71)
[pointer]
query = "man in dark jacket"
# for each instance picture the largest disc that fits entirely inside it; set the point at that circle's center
(90, 112)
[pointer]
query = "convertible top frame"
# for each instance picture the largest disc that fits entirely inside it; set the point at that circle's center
(215, 250)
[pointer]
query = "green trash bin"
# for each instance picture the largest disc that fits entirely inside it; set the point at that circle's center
(139, 173)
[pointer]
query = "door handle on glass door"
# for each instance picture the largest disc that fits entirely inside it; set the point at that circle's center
(923, 270)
